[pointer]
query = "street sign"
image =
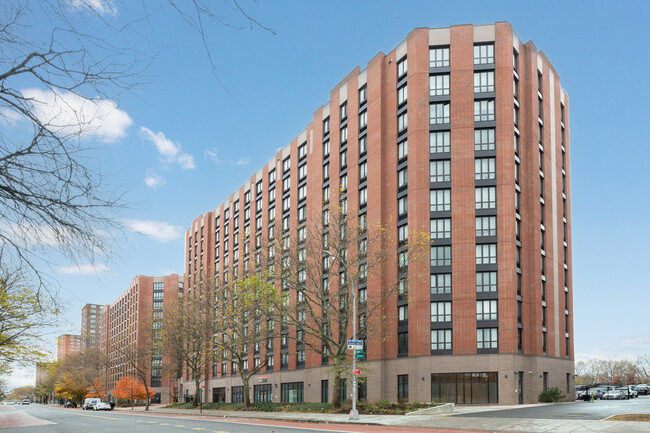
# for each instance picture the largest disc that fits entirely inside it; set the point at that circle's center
(356, 372)
(355, 344)
(359, 354)
(202, 386)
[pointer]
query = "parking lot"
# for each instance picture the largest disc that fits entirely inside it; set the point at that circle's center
(599, 409)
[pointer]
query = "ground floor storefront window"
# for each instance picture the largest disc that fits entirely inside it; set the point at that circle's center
(293, 392)
(464, 388)
(237, 394)
(218, 395)
(263, 393)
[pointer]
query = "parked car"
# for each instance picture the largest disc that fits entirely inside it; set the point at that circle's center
(70, 404)
(614, 394)
(90, 402)
(630, 391)
(102, 406)
(25, 401)
(642, 389)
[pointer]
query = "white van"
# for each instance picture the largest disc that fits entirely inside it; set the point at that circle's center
(89, 403)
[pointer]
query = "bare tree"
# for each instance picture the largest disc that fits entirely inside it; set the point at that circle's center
(188, 333)
(59, 74)
(324, 265)
(245, 316)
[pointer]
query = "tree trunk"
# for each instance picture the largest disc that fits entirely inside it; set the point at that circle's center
(247, 394)
(146, 390)
(336, 391)
(197, 390)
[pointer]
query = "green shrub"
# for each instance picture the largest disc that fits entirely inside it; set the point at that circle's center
(551, 395)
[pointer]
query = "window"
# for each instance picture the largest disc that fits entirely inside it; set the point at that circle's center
(439, 113)
(486, 338)
(441, 228)
(484, 110)
(326, 194)
(363, 145)
(343, 158)
(486, 197)
(486, 310)
(440, 171)
(483, 139)
(326, 171)
(440, 284)
(286, 204)
(363, 171)
(516, 116)
(292, 392)
(483, 82)
(440, 200)
(302, 192)
(402, 122)
(402, 387)
(326, 148)
(441, 311)
(441, 256)
(302, 213)
(344, 182)
(363, 94)
(402, 343)
(441, 339)
(344, 135)
(486, 254)
(438, 57)
(483, 54)
(302, 151)
(402, 149)
(402, 206)
(402, 233)
(439, 85)
(484, 168)
(363, 120)
(402, 67)
(302, 172)
(486, 226)
(402, 95)
(326, 126)
(402, 259)
(286, 184)
(286, 165)
(363, 197)
(486, 282)
(402, 313)
(515, 88)
(515, 60)
(344, 111)
(439, 142)
(402, 178)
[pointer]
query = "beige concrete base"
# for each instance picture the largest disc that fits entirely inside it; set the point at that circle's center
(382, 377)
(437, 410)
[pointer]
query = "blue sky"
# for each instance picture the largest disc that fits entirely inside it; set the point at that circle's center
(195, 138)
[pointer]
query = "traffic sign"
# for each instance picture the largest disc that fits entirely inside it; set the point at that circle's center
(356, 372)
(359, 354)
(202, 386)
(355, 344)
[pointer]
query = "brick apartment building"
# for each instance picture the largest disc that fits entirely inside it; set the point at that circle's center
(91, 326)
(66, 344)
(460, 132)
(122, 326)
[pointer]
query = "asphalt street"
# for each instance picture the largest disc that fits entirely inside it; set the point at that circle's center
(579, 410)
(47, 419)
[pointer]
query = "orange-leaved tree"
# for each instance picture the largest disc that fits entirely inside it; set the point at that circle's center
(129, 388)
(96, 389)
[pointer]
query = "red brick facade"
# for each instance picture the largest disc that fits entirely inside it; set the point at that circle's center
(518, 356)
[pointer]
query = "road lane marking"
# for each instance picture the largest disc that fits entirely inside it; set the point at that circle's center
(152, 422)
(179, 426)
(198, 428)
(164, 423)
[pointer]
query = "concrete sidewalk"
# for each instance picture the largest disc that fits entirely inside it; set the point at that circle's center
(434, 421)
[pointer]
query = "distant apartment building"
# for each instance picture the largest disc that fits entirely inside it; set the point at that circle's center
(122, 327)
(67, 344)
(90, 326)
(460, 132)
(42, 370)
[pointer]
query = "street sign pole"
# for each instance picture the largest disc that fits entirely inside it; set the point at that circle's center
(354, 414)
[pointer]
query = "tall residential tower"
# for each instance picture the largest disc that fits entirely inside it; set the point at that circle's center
(460, 132)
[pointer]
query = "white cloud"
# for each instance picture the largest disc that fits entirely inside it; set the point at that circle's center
(71, 114)
(90, 269)
(157, 230)
(169, 151)
(152, 180)
(101, 7)
(213, 154)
